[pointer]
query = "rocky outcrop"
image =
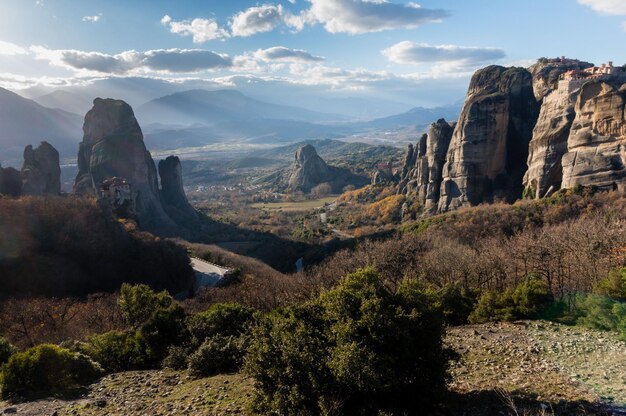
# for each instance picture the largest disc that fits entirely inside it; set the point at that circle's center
(422, 172)
(41, 172)
(549, 144)
(10, 182)
(547, 72)
(172, 191)
(309, 170)
(487, 156)
(596, 146)
(113, 146)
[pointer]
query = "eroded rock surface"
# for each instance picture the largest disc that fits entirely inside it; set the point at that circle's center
(596, 146)
(10, 182)
(172, 190)
(41, 172)
(488, 152)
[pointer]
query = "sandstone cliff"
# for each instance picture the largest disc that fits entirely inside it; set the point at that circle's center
(113, 146)
(596, 146)
(41, 172)
(422, 171)
(489, 147)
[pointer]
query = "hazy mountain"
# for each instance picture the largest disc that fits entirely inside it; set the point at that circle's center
(72, 101)
(213, 107)
(25, 122)
(418, 116)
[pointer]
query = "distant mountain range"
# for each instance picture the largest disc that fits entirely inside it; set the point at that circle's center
(193, 118)
(25, 122)
(221, 106)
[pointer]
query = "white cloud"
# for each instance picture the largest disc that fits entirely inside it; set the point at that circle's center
(612, 7)
(159, 60)
(202, 30)
(258, 19)
(363, 16)
(92, 19)
(281, 53)
(419, 53)
(7, 48)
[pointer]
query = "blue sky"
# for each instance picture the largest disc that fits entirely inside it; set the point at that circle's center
(389, 48)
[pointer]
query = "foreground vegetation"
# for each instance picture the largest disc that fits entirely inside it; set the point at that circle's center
(360, 333)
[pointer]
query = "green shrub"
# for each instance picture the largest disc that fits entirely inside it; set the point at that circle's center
(493, 306)
(177, 357)
(166, 327)
(6, 350)
(614, 285)
(600, 312)
(225, 319)
(46, 369)
(358, 349)
(143, 348)
(531, 297)
(530, 300)
(116, 351)
(139, 302)
(457, 303)
(218, 354)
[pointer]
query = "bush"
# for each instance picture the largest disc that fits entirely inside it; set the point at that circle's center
(144, 347)
(614, 285)
(177, 357)
(531, 297)
(46, 369)
(6, 350)
(218, 354)
(600, 312)
(139, 302)
(493, 306)
(166, 327)
(359, 348)
(116, 351)
(530, 300)
(457, 304)
(225, 319)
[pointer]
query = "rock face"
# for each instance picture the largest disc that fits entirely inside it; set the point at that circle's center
(549, 144)
(172, 191)
(309, 170)
(113, 146)
(41, 172)
(596, 146)
(422, 172)
(10, 182)
(489, 147)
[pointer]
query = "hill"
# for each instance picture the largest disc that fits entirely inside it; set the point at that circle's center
(214, 107)
(25, 122)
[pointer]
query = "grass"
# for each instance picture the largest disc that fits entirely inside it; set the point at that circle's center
(295, 206)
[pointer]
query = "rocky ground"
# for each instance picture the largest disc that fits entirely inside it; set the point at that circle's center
(523, 368)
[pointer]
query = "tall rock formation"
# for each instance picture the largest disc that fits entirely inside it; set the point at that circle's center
(172, 191)
(113, 146)
(309, 170)
(596, 146)
(10, 182)
(41, 172)
(489, 147)
(422, 171)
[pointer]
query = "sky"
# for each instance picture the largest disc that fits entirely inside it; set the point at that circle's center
(417, 53)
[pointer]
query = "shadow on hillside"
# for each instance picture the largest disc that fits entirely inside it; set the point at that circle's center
(495, 402)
